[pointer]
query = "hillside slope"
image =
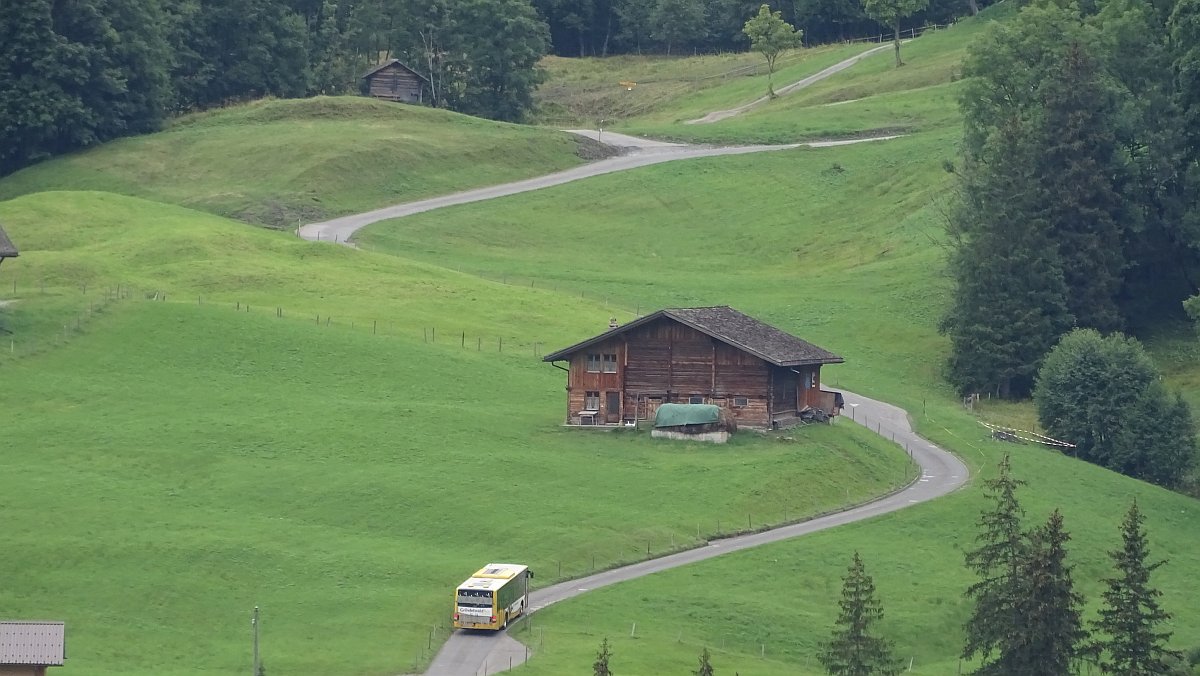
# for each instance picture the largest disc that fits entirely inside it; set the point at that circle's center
(275, 162)
(183, 454)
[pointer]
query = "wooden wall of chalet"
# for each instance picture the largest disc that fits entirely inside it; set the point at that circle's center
(665, 362)
(395, 83)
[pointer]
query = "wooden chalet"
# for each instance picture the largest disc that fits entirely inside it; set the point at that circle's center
(29, 648)
(395, 81)
(7, 250)
(708, 355)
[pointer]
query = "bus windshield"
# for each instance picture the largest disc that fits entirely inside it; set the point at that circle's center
(479, 598)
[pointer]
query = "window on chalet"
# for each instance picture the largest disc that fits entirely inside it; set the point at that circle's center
(593, 363)
(591, 401)
(696, 399)
(741, 401)
(609, 363)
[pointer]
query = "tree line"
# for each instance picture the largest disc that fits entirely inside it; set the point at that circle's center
(78, 72)
(1079, 206)
(1026, 619)
(605, 27)
(1080, 178)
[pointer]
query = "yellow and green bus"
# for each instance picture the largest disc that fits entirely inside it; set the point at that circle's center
(492, 597)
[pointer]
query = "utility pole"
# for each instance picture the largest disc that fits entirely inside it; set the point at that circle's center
(254, 626)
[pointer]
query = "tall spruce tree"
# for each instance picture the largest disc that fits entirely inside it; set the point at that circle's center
(1130, 619)
(855, 649)
(1051, 626)
(1000, 562)
(1082, 179)
(1010, 300)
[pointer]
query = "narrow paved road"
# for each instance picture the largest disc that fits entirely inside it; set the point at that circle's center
(475, 654)
(641, 153)
(838, 67)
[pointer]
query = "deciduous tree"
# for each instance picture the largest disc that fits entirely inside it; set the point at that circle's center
(770, 36)
(600, 666)
(1102, 394)
(889, 13)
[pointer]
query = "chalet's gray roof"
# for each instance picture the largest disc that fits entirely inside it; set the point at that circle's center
(392, 62)
(39, 643)
(728, 326)
(7, 250)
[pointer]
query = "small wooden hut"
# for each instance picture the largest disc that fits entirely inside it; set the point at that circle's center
(394, 81)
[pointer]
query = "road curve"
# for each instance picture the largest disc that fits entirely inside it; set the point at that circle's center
(838, 67)
(640, 153)
(474, 654)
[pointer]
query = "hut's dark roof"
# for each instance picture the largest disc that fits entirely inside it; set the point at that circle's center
(7, 250)
(392, 62)
(728, 326)
(36, 643)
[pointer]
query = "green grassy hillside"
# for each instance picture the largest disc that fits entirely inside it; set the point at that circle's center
(171, 464)
(175, 462)
(276, 161)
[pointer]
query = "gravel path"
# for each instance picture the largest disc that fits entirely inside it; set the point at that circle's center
(478, 653)
(639, 153)
(838, 67)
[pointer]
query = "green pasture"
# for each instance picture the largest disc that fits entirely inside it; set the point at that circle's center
(276, 162)
(765, 612)
(204, 416)
(177, 457)
(673, 89)
(838, 245)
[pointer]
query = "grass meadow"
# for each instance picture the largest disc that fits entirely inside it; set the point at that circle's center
(339, 436)
(175, 462)
(275, 162)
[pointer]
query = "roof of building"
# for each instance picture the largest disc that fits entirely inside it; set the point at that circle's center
(730, 327)
(493, 576)
(393, 62)
(7, 250)
(38, 643)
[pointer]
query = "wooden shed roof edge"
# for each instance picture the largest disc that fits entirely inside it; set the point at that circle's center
(706, 320)
(7, 249)
(392, 62)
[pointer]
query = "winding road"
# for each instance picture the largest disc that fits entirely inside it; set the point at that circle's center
(480, 653)
(475, 653)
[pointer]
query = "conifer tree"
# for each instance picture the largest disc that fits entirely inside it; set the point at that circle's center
(600, 666)
(705, 668)
(854, 649)
(1051, 631)
(1129, 620)
(1000, 562)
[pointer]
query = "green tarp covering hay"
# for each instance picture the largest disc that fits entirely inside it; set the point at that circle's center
(676, 415)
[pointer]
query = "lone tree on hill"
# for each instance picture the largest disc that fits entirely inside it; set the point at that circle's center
(889, 13)
(854, 650)
(705, 668)
(1131, 612)
(1000, 561)
(600, 666)
(771, 36)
